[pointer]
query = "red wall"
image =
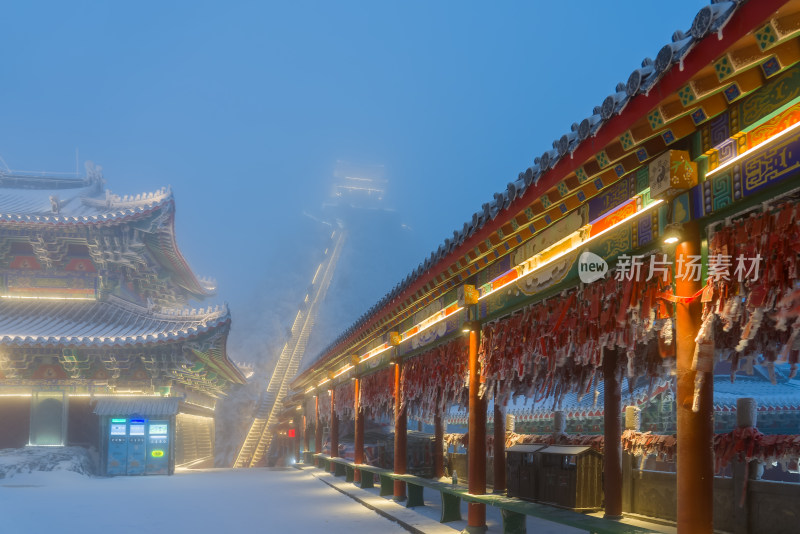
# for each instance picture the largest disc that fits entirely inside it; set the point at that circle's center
(83, 426)
(15, 422)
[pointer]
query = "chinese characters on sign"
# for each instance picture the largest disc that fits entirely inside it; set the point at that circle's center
(688, 267)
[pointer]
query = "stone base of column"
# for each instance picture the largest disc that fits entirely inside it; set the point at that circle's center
(474, 530)
(612, 517)
(399, 491)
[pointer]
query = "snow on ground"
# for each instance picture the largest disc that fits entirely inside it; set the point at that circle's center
(31, 459)
(201, 501)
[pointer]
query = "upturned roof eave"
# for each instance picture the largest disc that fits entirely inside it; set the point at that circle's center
(747, 17)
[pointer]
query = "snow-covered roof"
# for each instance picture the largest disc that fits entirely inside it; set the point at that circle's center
(783, 395)
(141, 406)
(574, 405)
(111, 323)
(59, 200)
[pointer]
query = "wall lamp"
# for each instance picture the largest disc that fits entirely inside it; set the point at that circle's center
(673, 233)
(470, 326)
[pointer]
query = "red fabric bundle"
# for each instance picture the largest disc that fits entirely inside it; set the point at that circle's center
(377, 394)
(434, 380)
(636, 443)
(746, 444)
(345, 400)
(324, 407)
(753, 306)
(555, 347)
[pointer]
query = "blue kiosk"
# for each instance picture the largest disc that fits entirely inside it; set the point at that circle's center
(137, 435)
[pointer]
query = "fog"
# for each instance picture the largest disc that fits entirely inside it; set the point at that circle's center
(247, 109)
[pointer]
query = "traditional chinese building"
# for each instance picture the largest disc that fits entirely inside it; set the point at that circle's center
(652, 243)
(93, 317)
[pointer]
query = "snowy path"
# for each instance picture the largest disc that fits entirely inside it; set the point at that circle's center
(224, 500)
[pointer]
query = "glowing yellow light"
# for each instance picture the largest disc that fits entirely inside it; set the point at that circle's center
(316, 274)
(375, 352)
(343, 370)
(572, 249)
(449, 311)
(756, 147)
(31, 297)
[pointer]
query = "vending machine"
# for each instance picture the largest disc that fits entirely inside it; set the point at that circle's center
(158, 448)
(117, 447)
(137, 447)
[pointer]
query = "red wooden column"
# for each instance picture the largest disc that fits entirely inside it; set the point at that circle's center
(400, 435)
(499, 448)
(306, 437)
(695, 429)
(334, 431)
(438, 446)
(476, 453)
(359, 430)
(317, 427)
(612, 432)
(296, 440)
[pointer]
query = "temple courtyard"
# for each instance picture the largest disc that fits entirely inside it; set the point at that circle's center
(218, 500)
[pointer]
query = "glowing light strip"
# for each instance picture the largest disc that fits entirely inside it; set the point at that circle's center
(309, 390)
(609, 212)
(44, 298)
(432, 320)
(324, 382)
(316, 274)
(376, 351)
(420, 327)
(586, 242)
(193, 462)
(749, 150)
(518, 272)
(343, 370)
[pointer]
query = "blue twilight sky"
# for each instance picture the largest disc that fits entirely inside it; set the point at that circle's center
(244, 108)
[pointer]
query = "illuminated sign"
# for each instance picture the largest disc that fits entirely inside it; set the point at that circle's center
(118, 429)
(157, 453)
(290, 433)
(158, 429)
(137, 427)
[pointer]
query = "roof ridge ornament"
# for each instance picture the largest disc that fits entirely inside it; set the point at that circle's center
(55, 204)
(94, 175)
